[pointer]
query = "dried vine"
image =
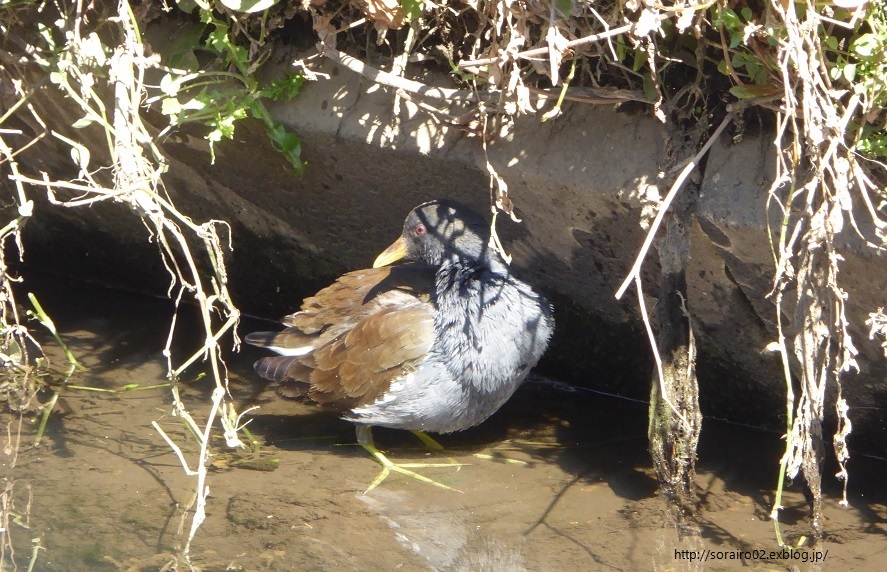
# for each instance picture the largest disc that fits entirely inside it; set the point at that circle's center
(136, 165)
(816, 179)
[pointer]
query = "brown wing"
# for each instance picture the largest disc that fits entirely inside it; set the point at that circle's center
(356, 336)
(338, 307)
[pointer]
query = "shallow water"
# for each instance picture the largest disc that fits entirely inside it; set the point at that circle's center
(568, 486)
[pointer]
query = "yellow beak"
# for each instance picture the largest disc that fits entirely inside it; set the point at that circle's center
(393, 253)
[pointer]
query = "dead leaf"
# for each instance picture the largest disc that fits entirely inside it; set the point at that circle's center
(325, 30)
(385, 14)
(557, 45)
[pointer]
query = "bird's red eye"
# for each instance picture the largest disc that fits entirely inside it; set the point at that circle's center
(420, 230)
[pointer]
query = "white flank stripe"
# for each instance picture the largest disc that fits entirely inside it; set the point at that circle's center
(290, 351)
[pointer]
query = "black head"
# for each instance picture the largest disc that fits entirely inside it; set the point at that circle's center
(441, 230)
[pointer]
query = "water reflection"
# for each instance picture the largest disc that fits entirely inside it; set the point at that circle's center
(446, 539)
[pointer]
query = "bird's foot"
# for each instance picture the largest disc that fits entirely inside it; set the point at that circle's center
(499, 458)
(365, 438)
(499, 454)
(404, 469)
(433, 445)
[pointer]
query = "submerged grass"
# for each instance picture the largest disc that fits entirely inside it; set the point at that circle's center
(73, 365)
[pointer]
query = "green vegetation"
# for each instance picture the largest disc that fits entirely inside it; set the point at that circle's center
(224, 91)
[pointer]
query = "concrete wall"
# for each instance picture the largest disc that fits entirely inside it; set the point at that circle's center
(579, 184)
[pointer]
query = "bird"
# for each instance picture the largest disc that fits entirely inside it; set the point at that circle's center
(436, 343)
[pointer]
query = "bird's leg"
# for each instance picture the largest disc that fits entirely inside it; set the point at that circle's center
(427, 440)
(365, 439)
(433, 445)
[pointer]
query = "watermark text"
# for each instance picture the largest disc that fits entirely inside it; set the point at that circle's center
(785, 554)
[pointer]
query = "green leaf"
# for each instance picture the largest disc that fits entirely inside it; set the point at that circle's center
(835, 72)
(223, 124)
(286, 87)
(762, 76)
(722, 67)
(640, 58)
(179, 53)
(831, 42)
(649, 87)
(752, 67)
(864, 46)
(738, 60)
(186, 6)
(565, 7)
(237, 55)
(849, 72)
(15, 353)
(218, 39)
(83, 122)
(195, 104)
(412, 9)
(248, 6)
(170, 84)
(874, 143)
(750, 91)
(621, 50)
(170, 106)
(729, 19)
(746, 13)
(214, 136)
(667, 28)
(735, 39)
(289, 144)
(218, 42)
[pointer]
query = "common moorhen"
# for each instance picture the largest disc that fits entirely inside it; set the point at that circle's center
(437, 344)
